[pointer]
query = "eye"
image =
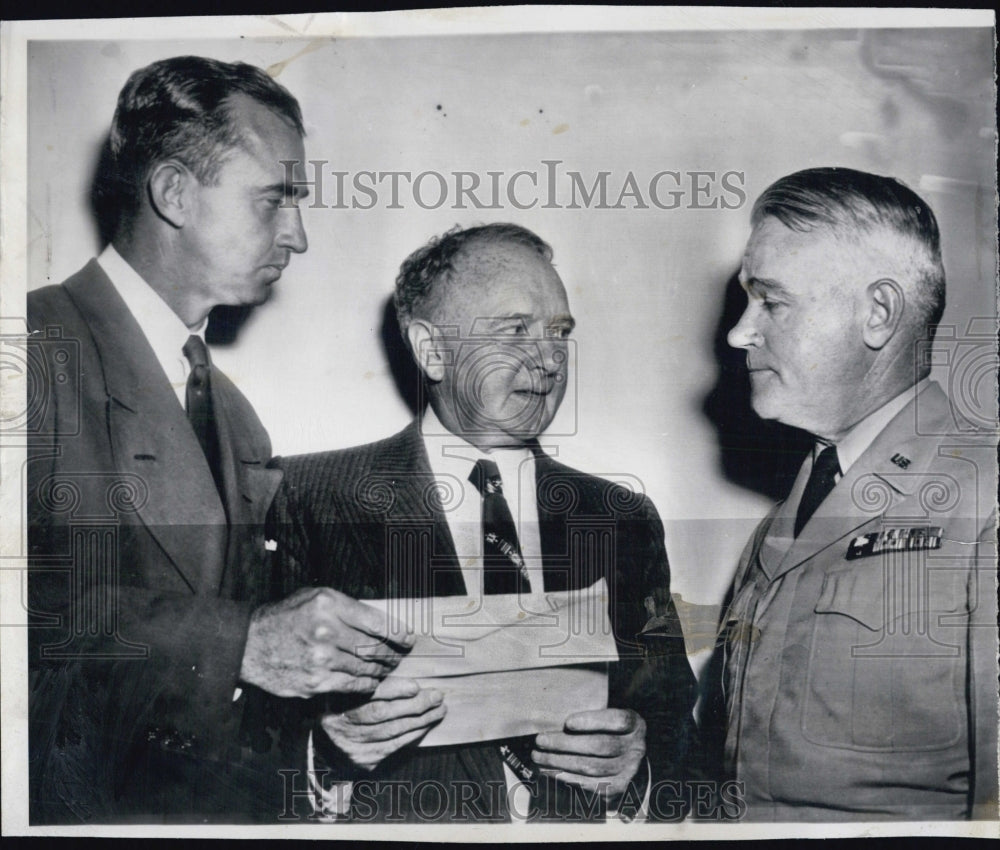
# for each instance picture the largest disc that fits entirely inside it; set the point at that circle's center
(276, 200)
(767, 301)
(268, 208)
(770, 305)
(514, 328)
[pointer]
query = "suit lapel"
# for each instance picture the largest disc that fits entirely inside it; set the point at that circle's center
(551, 526)
(779, 537)
(407, 472)
(247, 452)
(151, 437)
(249, 486)
(755, 550)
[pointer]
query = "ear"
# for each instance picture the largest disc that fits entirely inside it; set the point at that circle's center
(425, 343)
(885, 311)
(169, 186)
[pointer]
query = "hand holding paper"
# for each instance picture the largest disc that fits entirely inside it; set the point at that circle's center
(318, 641)
(508, 665)
(398, 713)
(597, 750)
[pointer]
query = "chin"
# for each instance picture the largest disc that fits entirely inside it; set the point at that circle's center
(527, 428)
(791, 419)
(765, 408)
(258, 296)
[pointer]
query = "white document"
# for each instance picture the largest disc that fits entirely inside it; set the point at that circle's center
(507, 664)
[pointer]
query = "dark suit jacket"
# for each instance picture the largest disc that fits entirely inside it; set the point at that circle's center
(142, 578)
(365, 521)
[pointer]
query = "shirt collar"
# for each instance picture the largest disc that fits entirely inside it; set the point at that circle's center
(449, 454)
(162, 327)
(854, 443)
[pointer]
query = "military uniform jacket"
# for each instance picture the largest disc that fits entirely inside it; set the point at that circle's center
(861, 675)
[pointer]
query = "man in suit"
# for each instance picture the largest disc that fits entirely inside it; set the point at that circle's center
(861, 676)
(147, 477)
(487, 320)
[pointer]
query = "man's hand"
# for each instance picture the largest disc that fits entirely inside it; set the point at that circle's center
(318, 640)
(598, 750)
(398, 713)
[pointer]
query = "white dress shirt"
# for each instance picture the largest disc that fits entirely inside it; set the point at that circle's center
(162, 327)
(452, 460)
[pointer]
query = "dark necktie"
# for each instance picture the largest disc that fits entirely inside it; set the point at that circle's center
(503, 566)
(821, 480)
(200, 410)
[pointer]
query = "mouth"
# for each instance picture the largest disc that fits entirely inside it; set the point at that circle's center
(544, 390)
(757, 374)
(274, 271)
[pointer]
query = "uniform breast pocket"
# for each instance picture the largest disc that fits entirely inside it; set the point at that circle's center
(886, 667)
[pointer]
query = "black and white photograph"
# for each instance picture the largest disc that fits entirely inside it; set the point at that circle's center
(510, 424)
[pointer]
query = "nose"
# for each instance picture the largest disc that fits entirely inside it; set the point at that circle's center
(292, 234)
(744, 333)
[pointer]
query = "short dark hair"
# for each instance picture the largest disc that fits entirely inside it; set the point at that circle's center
(179, 108)
(855, 203)
(427, 267)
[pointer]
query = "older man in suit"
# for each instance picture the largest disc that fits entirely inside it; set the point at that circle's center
(861, 675)
(486, 317)
(147, 478)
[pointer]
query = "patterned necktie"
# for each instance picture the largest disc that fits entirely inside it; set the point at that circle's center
(198, 399)
(503, 572)
(821, 480)
(503, 566)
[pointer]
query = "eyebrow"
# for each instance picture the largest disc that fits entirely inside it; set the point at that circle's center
(296, 191)
(755, 284)
(563, 319)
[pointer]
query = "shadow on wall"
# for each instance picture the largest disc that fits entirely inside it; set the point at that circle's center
(761, 456)
(104, 195)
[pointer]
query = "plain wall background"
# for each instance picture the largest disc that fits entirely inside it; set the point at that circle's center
(648, 287)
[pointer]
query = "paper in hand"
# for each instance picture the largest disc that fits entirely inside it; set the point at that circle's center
(508, 665)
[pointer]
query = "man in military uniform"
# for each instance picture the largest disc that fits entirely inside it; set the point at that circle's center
(860, 644)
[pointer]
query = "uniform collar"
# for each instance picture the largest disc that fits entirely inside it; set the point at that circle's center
(857, 440)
